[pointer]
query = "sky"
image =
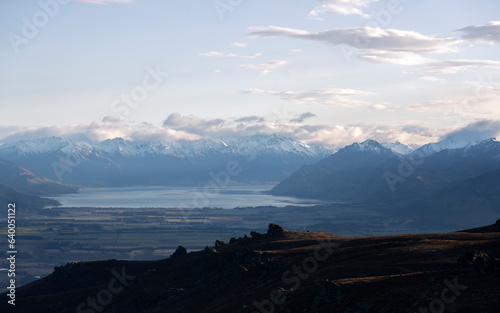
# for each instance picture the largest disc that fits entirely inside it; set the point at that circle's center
(322, 71)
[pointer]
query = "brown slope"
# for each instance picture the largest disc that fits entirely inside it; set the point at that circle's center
(397, 273)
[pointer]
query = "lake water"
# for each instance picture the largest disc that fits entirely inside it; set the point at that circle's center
(184, 197)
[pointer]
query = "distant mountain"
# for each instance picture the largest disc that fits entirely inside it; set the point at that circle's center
(472, 201)
(24, 181)
(342, 176)
(399, 147)
(9, 195)
(448, 143)
(120, 162)
(380, 176)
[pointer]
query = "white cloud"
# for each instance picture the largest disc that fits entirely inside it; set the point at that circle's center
(229, 55)
(239, 44)
(489, 33)
(391, 57)
(475, 100)
(267, 66)
(378, 107)
(342, 7)
(454, 66)
(430, 79)
(374, 45)
(366, 38)
(432, 105)
(177, 127)
(334, 97)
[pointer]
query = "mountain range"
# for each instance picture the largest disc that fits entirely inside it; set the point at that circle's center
(399, 179)
(451, 184)
(118, 162)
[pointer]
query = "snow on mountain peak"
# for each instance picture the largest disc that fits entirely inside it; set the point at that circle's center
(367, 145)
(187, 149)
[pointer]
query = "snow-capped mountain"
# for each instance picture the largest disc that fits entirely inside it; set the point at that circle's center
(338, 176)
(449, 143)
(117, 162)
(361, 171)
(187, 149)
(399, 147)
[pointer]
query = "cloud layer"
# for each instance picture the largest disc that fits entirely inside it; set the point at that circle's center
(178, 127)
(334, 97)
(393, 46)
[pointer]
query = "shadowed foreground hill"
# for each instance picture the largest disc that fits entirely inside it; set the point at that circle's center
(286, 271)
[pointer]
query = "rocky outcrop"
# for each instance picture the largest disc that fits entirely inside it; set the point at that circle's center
(179, 252)
(478, 263)
(275, 229)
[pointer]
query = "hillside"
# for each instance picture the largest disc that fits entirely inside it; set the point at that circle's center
(342, 176)
(301, 271)
(8, 195)
(472, 201)
(379, 176)
(22, 180)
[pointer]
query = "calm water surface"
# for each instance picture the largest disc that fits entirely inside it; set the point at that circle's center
(186, 197)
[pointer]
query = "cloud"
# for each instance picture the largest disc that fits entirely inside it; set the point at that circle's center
(379, 107)
(476, 100)
(365, 38)
(267, 66)
(342, 7)
(432, 105)
(334, 97)
(302, 117)
(191, 124)
(103, 1)
(109, 128)
(454, 66)
(239, 44)
(230, 55)
(391, 57)
(111, 119)
(476, 131)
(374, 45)
(177, 127)
(250, 119)
(430, 79)
(489, 33)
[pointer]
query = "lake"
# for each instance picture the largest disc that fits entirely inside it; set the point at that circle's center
(181, 197)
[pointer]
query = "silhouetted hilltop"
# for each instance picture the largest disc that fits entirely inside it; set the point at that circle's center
(285, 271)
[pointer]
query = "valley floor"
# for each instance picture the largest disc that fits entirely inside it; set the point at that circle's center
(53, 237)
